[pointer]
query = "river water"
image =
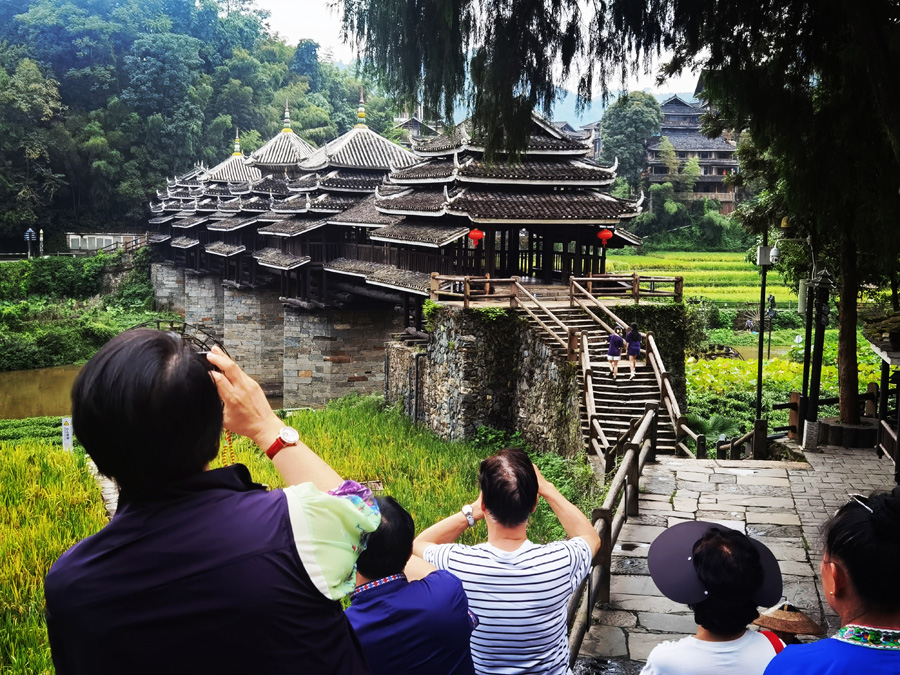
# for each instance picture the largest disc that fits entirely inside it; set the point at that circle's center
(35, 393)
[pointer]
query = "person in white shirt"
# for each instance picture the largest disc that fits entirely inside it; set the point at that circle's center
(722, 575)
(519, 590)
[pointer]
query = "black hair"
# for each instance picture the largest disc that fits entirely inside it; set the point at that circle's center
(509, 486)
(389, 547)
(867, 544)
(146, 411)
(634, 335)
(728, 565)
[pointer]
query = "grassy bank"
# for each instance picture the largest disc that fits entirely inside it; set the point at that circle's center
(49, 501)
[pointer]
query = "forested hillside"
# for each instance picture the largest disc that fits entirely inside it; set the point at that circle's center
(101, 100)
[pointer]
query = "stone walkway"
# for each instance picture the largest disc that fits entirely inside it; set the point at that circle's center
(782, 504)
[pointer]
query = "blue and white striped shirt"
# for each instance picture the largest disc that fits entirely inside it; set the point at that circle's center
(520, 599)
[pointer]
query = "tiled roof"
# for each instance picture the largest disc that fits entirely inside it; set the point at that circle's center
(306, 183)
(230, 224)
(365, 214)
(359, 148)
(291, 227)
(272, 257)
(415, 201)
(172, 206)
(158, 238)
(430, 171)
(551, 171)
(239, 188)
(207, 205)
(382, 275)
(223, 249)
(179, 194)
(296, 204)
(185, 223)
(348, 179)
(159, 220)
(256, 203)
(232, 170)
(328, 203)
(693, 141)
(216, 190)
(186, 213)
(272, 185)
(433, 236)
(187, 178)
(579, 205)
(230, 204)
(184, 242)
(285, 149)
(271, 217)
(545, 139)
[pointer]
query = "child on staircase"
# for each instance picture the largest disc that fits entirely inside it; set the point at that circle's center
(614, 353)
(633, 338)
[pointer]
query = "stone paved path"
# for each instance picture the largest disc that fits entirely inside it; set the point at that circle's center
(782, 504)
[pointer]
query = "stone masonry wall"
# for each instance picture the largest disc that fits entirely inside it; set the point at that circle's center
(330, 353)
(204, 304)
(482, 369)
(399, 382)
(254, 335)
(168, 287)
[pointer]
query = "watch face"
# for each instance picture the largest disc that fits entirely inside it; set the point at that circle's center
(289, 435)
(467, 509)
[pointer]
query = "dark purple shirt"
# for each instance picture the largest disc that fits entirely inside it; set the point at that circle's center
(415, 627)
(615, 345)
(207, 580)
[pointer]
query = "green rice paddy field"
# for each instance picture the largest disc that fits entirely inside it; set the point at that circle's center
(726, 277)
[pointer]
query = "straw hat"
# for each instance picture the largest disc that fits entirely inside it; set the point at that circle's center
(786, 618)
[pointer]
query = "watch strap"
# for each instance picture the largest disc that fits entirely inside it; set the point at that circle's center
(467, 512)
(277, 446)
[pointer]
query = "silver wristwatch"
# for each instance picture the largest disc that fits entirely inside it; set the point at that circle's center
(467, 512)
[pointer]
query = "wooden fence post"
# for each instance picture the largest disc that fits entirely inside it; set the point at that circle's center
(872, 402)
(604, 555)
(760, 448)
(435, 286)
(466, 292)
(572, 344)
(701, 447)
(679, 288)
(794, 416)
(514, 300)
(721, 447)
(571, 291)
(654, 426)
(631, 481)
(636, 287)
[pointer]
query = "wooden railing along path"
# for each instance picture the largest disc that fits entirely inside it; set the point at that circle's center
(636, 448)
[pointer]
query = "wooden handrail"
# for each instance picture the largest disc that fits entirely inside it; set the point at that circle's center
(524, 291)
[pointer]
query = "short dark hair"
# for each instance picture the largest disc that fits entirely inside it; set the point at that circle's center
(728, 565)
(146, 411)
(509, 486)
(389, 547)
(866, 544)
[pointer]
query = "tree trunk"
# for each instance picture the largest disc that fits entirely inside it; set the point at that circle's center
(848, 373)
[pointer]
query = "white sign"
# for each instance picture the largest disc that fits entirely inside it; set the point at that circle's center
(67, 433)
(798, 339)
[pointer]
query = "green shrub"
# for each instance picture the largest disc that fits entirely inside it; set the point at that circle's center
(785, 319)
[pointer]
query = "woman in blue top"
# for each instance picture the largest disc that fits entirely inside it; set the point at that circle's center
(633, 339)
(614, 353)
(859, 579)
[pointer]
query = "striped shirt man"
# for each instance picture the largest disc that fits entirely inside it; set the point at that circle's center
(520, 599)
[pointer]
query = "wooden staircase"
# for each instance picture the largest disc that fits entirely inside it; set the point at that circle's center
(617, 402)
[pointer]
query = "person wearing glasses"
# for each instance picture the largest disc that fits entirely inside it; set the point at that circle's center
(860, 582)
(202, 571)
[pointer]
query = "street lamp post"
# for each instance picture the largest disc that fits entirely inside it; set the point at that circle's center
(30, 236)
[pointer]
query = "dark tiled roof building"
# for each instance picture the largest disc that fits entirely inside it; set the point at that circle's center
(681, 125)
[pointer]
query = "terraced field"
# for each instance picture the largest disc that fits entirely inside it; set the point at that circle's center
(726, 277)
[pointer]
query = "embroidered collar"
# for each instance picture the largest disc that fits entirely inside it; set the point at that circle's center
(866, 636)
(377, 583)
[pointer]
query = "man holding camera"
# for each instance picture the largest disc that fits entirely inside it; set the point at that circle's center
(519, 590)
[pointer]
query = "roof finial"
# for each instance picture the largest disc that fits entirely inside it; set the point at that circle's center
(287, 117)
(361, 112)
(237, 144)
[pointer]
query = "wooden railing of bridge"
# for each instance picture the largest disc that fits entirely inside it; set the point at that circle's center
(637, 447)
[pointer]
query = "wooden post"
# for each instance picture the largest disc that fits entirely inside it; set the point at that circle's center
(514, 300)
(721, 447)
(636, 287)
(794, 416)
(435, 285)
(487, 286)
(631, 482)
(701, 447)
(604, 555)
(872, 402)
(679, 288)
(466, 292)
(571, 291)
(760, 448)
(572, 344)
(654, 426)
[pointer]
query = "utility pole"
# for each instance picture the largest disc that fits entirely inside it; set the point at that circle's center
(771, 314)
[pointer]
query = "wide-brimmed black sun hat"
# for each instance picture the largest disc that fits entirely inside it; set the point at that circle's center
(671, 564)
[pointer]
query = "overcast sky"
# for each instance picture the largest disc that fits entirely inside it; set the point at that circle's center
(298, 19)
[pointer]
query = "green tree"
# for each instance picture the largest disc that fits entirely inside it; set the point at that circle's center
(627, 124)
(668, 156)
(306, 63)
(690, 174)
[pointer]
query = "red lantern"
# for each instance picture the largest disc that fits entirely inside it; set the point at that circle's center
(476, 235)
(604, 236)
